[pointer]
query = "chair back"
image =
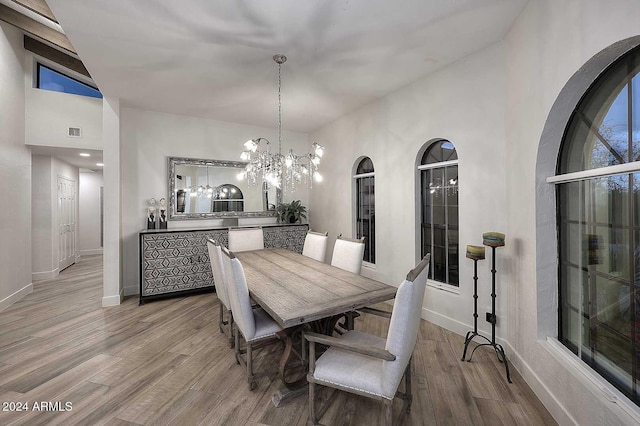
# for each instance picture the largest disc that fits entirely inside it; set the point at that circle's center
(404, 324)
(219, 279)
(348, 254)
(244, 239)
(238, 293)
(315, 245)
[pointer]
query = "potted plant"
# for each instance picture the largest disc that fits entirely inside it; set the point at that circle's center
(292, 212)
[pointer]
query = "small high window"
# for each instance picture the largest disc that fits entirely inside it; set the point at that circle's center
(366, 208)
(50, 79)
(438, 171)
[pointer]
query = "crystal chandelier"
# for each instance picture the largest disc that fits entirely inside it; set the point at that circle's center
(281, 171)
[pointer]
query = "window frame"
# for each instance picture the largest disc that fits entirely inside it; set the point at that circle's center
(370, 244)
(40, 64)
(420, 168)
(585, 177)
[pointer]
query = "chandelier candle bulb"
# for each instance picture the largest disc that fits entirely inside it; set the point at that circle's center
(475, 252)
(493, 239)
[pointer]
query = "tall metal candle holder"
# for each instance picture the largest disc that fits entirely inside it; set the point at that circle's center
(493, 240)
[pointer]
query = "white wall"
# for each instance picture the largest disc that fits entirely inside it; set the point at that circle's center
(89, 213)
(392, 132)
(42, 227)
(493, 106)
(148, 139)
(45, 173)
(50, 114)
(15, 173)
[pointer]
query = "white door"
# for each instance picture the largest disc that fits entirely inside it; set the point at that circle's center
(66, 222)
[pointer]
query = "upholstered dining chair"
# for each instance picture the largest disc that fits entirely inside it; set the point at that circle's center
(315, 245)
(219, 279)
(254, 325)
(348, 253)
(369, 365)
(244, 239)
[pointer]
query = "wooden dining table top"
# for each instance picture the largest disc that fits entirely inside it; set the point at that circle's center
(295, 289)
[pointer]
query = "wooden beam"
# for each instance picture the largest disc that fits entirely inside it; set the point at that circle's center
(55, 55)
(38, 6)
(35, 28)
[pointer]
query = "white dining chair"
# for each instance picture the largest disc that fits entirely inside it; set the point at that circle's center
(219, 279)
(244, 239)
(369, 365)
(348, 254)
(315, 245)
(253, 325)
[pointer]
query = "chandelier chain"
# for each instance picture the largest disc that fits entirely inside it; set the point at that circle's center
(279, 109)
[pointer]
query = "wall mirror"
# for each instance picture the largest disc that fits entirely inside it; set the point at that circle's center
(209, 189)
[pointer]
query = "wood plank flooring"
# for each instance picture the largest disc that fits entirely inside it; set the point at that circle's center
(166, 363)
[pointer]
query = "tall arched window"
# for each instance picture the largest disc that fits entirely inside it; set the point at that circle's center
(598, 193)
(439, 210)
(366, 208)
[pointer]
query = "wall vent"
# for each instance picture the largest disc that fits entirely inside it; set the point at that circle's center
(74, 132)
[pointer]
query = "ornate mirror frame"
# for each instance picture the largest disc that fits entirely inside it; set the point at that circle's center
(171, 186)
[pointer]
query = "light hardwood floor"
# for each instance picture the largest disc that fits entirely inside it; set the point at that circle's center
(166, 363)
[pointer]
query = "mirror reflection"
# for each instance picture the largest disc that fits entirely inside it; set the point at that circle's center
(211, 188)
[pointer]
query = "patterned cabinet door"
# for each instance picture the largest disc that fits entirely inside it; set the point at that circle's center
(290, 237)
(176, 261)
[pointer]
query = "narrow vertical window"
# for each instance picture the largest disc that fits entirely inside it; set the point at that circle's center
(366, 208)
(598, 201)
(438, 171)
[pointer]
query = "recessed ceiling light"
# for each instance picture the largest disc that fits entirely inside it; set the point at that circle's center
(99, 164)
(84, 154)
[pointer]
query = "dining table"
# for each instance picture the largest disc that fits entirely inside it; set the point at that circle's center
(301, 293)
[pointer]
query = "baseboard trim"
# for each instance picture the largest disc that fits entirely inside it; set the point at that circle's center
(131, 290)
(446, 322)
(13, 298)
(548, 399)
(46, 275)
(91, 252)
(113, 300)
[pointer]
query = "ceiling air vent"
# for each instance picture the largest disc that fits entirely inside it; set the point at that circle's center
(74, 132)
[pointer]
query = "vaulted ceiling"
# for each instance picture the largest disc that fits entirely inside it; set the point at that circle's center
(213, 59)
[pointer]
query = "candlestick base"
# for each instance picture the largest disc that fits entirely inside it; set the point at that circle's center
(502, 357)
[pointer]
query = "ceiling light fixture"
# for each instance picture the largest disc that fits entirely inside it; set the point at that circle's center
(281, 171)
(99, 164)
(84, 154)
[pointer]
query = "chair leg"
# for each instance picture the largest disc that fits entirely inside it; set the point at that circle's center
(250, 378)
(407, 385)
(221, 317)
(232, 331)
(236, 334)
(312, 421)
(388, 412)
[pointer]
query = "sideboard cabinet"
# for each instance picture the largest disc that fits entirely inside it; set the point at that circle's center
(176, 262)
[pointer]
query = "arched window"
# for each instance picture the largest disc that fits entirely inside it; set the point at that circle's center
(598, 196)
(438, 171)
(227, 198)
(366, 207)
